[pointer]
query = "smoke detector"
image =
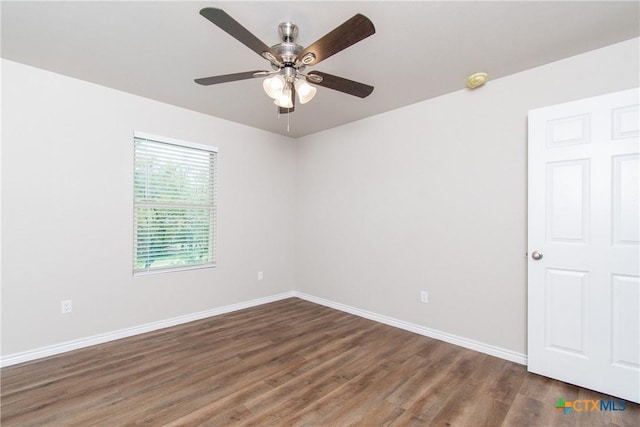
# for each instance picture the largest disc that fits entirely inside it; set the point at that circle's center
(477, 80)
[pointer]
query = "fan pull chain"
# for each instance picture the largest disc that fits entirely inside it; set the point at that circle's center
(288, 115)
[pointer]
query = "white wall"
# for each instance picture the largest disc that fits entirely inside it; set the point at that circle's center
(434, 197)
(431, 196)
(67, 164)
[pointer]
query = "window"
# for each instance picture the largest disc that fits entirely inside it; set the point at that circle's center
(175, 201)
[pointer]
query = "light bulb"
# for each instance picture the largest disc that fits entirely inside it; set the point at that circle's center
(305, 91)
(273, 86)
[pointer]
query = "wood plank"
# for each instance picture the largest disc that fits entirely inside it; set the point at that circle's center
(286, 363)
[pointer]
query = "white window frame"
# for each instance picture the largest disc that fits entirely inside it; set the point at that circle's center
(213, 232)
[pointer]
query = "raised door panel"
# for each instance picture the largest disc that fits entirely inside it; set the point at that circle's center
(567, 201)
(626, 200)
(625, 333)
(566, 297)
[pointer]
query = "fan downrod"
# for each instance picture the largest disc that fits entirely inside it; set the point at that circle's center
(288, 32)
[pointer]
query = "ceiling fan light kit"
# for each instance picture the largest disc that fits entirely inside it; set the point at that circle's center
(288, 59)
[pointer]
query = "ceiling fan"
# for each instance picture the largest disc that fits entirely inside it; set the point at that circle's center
(288, 59)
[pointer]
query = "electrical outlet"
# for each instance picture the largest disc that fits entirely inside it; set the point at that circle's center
(260, 276)
(424, 296)
(65, 306)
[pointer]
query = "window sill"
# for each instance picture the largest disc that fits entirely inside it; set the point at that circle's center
(173, 269)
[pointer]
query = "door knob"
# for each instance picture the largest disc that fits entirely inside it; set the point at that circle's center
(536, 255)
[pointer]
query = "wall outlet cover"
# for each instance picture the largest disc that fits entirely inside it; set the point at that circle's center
(65, 306)
(424, 296)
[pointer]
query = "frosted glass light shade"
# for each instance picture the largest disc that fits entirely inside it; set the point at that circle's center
(284, 99)
(273, 86)
(305, 91)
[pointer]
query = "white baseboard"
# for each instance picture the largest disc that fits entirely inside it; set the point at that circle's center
(412, 327)
(51, 350)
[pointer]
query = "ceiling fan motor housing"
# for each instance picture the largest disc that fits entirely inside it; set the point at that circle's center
(287, 49)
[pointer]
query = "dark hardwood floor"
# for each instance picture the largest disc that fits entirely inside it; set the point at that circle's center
(288, 363)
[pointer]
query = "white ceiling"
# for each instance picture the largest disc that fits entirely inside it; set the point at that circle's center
(421, 49)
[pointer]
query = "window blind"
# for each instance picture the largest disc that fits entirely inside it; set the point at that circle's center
(175, 203)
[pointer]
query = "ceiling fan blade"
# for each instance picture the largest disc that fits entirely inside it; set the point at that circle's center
(352, 31)
(293, 102)
(341, 84)
(226, 23)
(206, 81)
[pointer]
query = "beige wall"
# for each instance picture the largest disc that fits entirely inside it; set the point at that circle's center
(434, 197)
(67, 165)
(428, 197)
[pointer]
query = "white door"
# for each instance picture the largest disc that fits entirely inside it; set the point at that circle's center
(583, 268)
